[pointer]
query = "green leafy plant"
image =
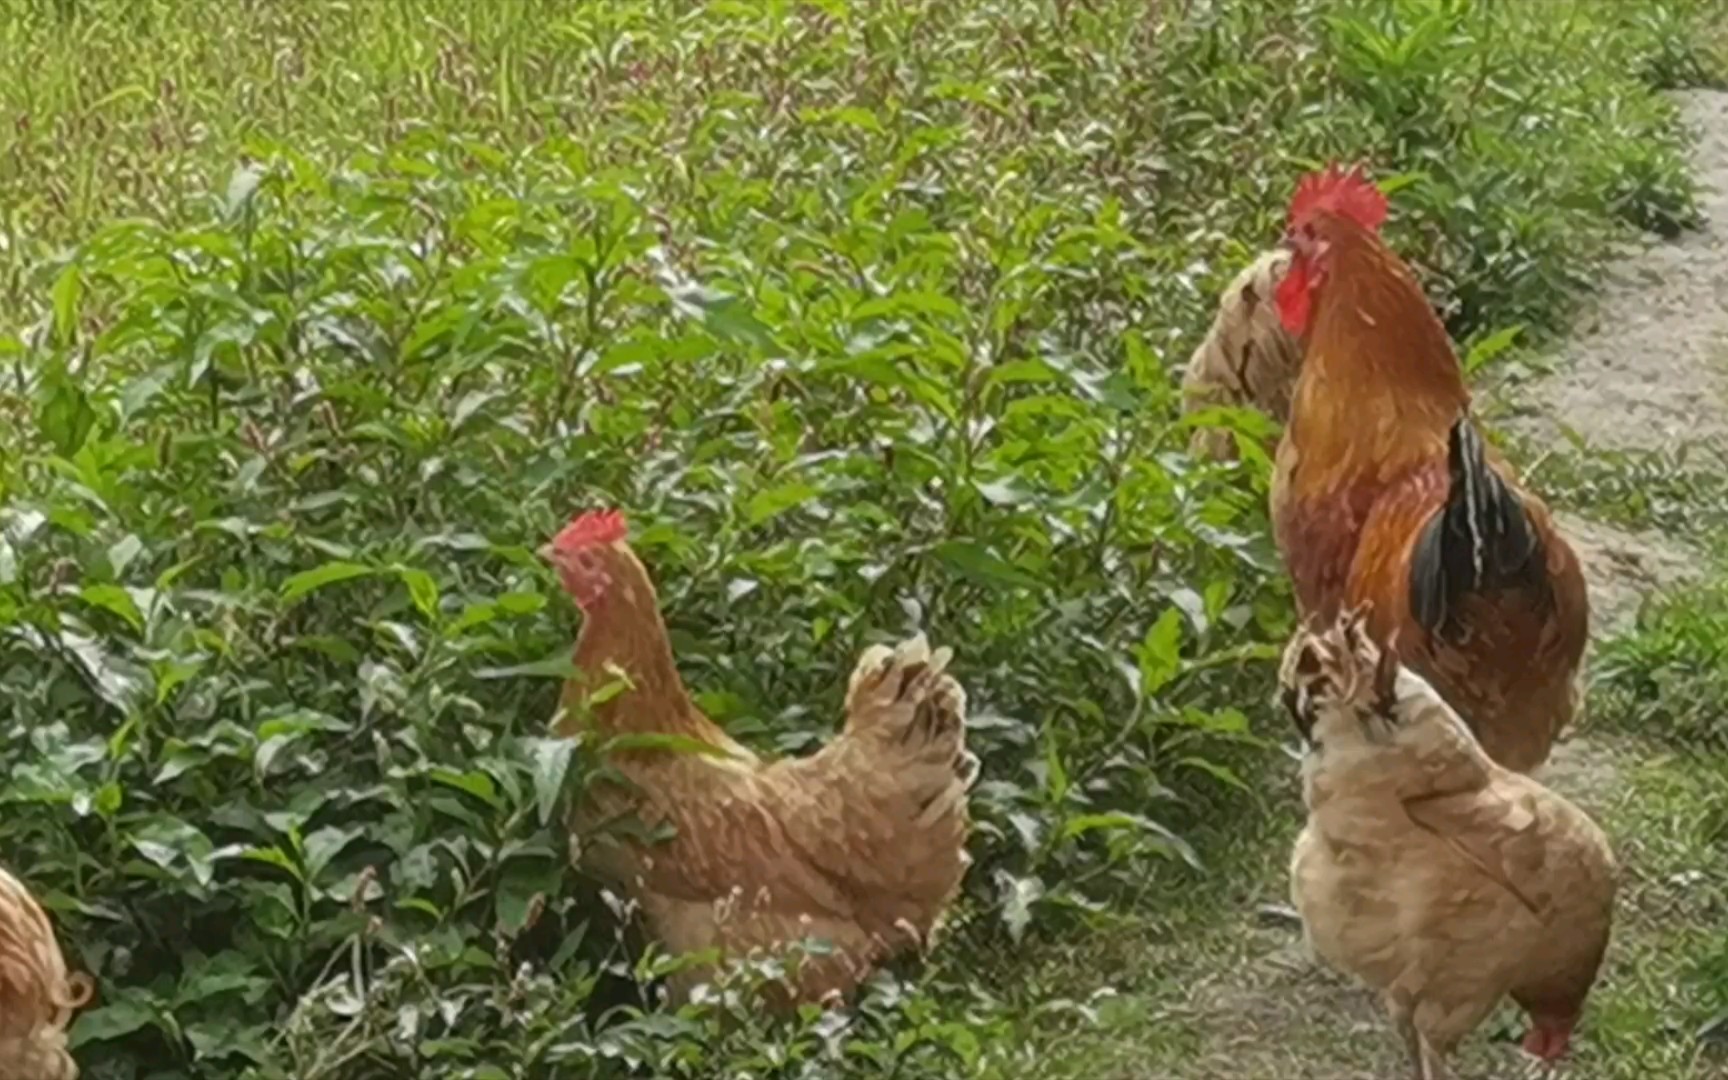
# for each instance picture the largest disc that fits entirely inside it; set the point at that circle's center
(1668, 677)
(321, 317)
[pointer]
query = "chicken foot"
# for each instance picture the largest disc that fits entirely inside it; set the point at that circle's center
(1429, 1063)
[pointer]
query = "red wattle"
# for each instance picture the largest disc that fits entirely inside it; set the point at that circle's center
(1295, 298)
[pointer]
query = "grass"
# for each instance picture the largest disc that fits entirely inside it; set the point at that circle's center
(1213, 982)
(317, 318)
(1679, 490)
(1212, 985)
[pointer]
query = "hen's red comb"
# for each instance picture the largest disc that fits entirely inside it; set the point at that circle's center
(593, 527)
(1346, 193)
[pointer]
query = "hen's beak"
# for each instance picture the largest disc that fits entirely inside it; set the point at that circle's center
(545, 551)
(1297, 709)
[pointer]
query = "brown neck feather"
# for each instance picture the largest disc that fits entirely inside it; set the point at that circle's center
(624, 629)
(1380, 384)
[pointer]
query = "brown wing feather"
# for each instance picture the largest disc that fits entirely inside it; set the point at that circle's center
(1499, 832)
(1512, 675)
(728, 837)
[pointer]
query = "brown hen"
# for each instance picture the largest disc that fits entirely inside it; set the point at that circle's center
(857, 849)
(37, 995)
(1246, 358)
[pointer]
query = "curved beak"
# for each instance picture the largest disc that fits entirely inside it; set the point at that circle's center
(545, 551)
(1296, 707)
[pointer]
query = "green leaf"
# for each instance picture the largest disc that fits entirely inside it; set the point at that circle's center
(66, 418)
(1085, 823)
(726, 317)
(114, 97)
(557, 666)
(65, 296)
(422, 589)
(980, 564)
(853, 116)
(242, 186)
(677, 744)
(323, 845)
(1222, 773)
(521, 603)
(1055, 772)
(114, 598)
(171, 674)
(132, 1011)
(551, 759)
(126, 549)
(225, 973)
(474, 615)
(1160, 652)
(1715, 1029)
(328, 574)
(274, 856)
(473, 782)
(1392, 185)
(1173, 844)
(1490, 347)
(765, 505)
(166, 841)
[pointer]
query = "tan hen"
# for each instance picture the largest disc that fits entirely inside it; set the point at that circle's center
(1439, 878)
(860, 846)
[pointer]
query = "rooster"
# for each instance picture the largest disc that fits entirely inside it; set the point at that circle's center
(859, 847)
(1439, 878)
(1385, 494)
(37, 995)
(1247, 357)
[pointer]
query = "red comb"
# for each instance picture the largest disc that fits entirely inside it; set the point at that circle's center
(1346, 193)
(593, 527)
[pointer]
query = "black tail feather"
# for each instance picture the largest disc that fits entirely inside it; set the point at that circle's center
(1481, 540)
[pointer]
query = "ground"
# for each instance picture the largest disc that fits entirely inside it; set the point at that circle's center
(1225, 991)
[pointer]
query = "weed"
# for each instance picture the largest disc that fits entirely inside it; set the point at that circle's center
(1681, 490)
(1669, 677)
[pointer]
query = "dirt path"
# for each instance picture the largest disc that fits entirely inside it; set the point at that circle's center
(1647, 370)
(1643, 371)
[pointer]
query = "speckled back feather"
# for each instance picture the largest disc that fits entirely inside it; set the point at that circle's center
(1247, 357)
